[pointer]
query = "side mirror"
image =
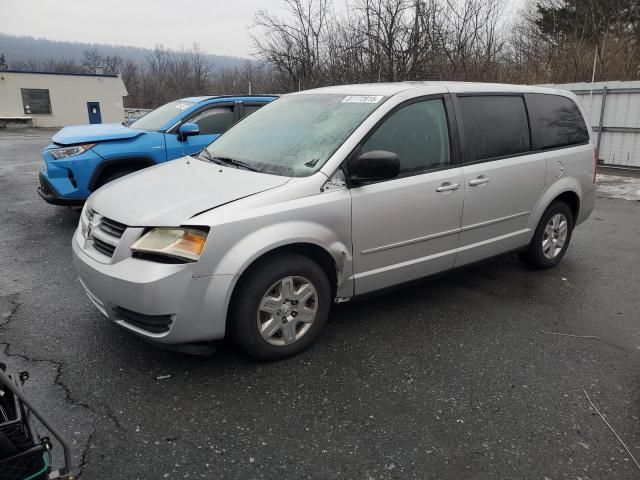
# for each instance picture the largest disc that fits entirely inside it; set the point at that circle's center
(374, 166)
(188, 130)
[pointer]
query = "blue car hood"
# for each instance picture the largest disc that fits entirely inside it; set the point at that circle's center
(94, 133)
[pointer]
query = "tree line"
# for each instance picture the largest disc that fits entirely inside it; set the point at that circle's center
(549, 41)
(313, 43)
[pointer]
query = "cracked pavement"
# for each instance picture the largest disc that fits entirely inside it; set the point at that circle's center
(464, 375)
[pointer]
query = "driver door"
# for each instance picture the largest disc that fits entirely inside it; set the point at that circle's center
(213, 121)
(408, 227)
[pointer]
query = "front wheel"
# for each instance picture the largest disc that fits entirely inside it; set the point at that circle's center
(551, 238)
(279, 307)
(113, 176)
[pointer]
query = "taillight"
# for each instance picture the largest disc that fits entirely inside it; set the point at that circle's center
(595, 164)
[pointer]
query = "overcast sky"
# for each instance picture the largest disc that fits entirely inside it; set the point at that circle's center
(219, 26)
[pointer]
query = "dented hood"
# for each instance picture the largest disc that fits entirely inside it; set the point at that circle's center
(94, 133)
(171, 193)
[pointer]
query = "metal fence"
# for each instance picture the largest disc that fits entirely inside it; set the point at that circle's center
(613, 109)
(131, 114)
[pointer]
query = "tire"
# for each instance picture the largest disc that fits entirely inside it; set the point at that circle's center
(259, 299)
(542, 254)
(114, 176)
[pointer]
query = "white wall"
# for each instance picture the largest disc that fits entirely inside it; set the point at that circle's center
(69, 95)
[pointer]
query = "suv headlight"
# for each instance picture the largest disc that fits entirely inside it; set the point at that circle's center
(66, 152)
(183, 243)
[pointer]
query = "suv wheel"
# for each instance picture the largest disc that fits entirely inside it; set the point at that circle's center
(552, 237)
(113, 176)
(280, 307)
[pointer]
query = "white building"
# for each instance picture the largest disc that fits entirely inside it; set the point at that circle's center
(60, 99)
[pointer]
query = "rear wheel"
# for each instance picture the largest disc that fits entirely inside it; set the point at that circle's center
(280, 307)
(552, 237)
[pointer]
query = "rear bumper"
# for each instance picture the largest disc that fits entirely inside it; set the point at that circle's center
(163, 303)
(49, 194)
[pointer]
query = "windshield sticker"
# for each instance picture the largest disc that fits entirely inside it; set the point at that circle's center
(362, 99)
(183, 106)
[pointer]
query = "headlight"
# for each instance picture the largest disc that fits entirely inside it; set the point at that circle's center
(184, 243)
(66, 152)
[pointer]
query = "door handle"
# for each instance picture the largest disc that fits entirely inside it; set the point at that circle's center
(481, 180)
(447, 187)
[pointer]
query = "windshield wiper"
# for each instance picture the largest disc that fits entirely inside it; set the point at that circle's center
(204, 154)
(229, 161)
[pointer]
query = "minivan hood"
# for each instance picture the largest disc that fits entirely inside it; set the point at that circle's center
(169, 194)
(94, 133)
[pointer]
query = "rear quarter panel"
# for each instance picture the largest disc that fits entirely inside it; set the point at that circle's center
(568, 170)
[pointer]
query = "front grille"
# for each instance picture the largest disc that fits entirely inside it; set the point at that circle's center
(104, 232)
(112, 227)
(150, 323)
(103, 247)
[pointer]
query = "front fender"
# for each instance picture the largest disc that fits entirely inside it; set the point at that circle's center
(260, 242)
(270, 237)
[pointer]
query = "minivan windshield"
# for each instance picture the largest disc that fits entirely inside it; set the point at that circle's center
(154, 120)
(294, 135)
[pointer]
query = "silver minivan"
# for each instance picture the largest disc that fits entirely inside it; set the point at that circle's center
(330, 193)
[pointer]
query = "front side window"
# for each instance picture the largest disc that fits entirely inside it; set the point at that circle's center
(249, 109)
(213, 121)
(156, 119)
(555, 122)
(36, 101)
(418, 134)
(494, 126)
(296, 134)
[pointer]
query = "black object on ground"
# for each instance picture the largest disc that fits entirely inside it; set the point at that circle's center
(24, 455)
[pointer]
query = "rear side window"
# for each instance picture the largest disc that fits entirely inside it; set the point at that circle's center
(555, 121)
(494, 126)
(418, 133)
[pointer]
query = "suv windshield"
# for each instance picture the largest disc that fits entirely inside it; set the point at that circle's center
(154, 120)
(296, 134)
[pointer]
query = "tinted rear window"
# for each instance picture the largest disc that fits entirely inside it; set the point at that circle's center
(494, 126)
(555, 121)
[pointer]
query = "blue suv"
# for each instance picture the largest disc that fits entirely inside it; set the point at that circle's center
(83, 158)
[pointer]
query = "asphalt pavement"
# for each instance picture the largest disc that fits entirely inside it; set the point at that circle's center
(484, 372)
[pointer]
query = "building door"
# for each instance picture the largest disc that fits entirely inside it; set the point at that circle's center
(94, 112)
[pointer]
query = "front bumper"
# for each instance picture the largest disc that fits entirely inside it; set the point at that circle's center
(49, 194)
(66, 181)
(136, 294)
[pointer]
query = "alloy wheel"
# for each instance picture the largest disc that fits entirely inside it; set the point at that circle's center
(287, 310)
(555, 236)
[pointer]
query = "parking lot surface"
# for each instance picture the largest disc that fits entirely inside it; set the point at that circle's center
(482, 372)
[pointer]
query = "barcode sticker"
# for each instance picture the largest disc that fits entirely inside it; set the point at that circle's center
(362, 99)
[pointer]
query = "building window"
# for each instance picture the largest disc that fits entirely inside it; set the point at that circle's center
(36, 101)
